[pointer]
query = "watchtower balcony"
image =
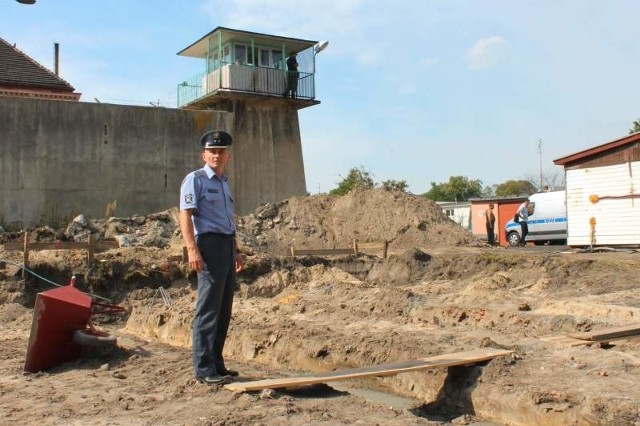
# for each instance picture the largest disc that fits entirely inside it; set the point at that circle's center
(244, 64)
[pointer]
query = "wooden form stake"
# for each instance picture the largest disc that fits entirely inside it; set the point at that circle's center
(354, 249)
(92, 246)
(25, 253)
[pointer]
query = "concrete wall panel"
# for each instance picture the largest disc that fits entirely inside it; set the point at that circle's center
(58, 159)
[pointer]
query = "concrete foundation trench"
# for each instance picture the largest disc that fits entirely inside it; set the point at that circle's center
(317, 316)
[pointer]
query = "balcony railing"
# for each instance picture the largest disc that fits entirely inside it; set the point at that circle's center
(244, 79)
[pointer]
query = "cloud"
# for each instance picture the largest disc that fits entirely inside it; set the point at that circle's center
(485, 52)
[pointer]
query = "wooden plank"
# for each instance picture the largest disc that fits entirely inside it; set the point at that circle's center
(355, 249)
(106, 245)
(567, 341)
(59, 245)
(374, 247)
(370, 246)
(322, 252)
(91, 249)
(446, 360)
(608, 333)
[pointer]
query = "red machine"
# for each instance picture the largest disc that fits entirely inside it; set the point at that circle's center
(58, 315)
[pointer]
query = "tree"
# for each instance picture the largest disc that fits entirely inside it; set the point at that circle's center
(357, 178)
(555, 180)
(459, 188)
(395, 185)
(636, 127)
(513, 188)
(550, 181)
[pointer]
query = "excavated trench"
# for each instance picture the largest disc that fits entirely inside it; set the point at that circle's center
(318, 315)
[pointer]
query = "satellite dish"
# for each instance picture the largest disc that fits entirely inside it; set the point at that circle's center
(320, 46)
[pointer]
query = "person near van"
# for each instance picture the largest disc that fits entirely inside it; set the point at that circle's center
(490, 221)
(523, 215)
(209, 232)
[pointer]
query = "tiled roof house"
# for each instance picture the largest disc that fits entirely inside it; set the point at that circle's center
(21, 76)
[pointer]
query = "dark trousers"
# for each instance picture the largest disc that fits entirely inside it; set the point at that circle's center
(216, 284)
(525, 230)
(491, 234)
(292, 84)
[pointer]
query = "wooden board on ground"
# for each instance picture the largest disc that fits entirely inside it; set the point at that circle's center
(567, 341)
(446, 360)
(60, 245)
(607, 334)
(321, 252)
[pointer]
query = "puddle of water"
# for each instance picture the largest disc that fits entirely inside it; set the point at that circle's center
(382, 398)
(389, 400)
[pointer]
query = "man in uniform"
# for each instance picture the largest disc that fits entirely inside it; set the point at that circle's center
(208, 229)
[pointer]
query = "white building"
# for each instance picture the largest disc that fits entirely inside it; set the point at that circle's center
(459, 212)
(603, 193)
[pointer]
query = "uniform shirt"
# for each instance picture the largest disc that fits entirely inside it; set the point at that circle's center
(523, 212)
(210, 198)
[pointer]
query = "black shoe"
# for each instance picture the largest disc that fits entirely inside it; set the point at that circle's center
(212, 379)
(225, 372)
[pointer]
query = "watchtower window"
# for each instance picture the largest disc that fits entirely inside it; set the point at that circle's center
(270, 58)
(226, 54)
(276, 57)
(243, 54)
(214, 62)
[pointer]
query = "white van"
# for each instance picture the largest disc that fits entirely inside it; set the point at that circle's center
(547, 223)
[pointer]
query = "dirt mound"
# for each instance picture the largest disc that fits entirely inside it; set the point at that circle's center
(319, 221)
(372, 215)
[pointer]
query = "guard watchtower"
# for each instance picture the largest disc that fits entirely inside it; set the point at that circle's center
(245, 81)
(242, 65)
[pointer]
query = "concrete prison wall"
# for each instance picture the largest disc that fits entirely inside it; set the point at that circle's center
(59, 159)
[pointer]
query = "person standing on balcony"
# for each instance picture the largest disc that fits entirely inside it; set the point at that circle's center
(209, 233)
(292, 75)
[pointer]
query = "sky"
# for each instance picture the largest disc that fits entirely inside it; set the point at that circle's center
(410, 90)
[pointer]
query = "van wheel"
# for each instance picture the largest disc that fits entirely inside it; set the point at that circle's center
(514, 238)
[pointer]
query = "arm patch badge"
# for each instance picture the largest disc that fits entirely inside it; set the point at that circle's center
(188, 198)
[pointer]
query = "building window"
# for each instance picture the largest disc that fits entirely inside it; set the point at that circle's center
(243, 54)
(226, 54)
(276, 57)
(214, 62)
(265, 58)
(270, 58)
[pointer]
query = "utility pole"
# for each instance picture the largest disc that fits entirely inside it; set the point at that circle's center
(540, 156)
